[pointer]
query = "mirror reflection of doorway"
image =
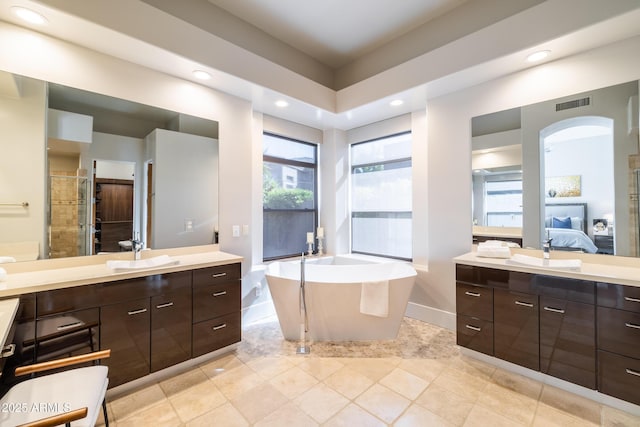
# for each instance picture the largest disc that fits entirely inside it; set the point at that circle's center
(587, 183)
(113, 206)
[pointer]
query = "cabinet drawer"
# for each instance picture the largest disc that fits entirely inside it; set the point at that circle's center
(215, 300)
(218, 274)
(475, 334)
(143, 287)
(516, 327)
(474, 301)
(69, 299)
(619, 331)
(619, 296)
(619, 376)
(216, 333)
(568, 289)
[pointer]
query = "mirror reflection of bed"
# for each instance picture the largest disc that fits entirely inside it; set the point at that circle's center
(566, 224)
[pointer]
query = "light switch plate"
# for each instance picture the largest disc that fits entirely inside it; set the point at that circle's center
(235, 230)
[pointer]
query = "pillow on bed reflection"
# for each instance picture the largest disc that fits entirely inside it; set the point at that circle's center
(564, 222)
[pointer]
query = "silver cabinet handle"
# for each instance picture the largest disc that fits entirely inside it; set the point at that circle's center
(632, 299)
(473, 328)
(524, 304)
(632, 325)
(69, 326)
(219, 294)
(215, 275)
(142, 310)
(554, 310)
(472, 294)
(168, 304)
(215, 328)
(8, 351)
(632, 372)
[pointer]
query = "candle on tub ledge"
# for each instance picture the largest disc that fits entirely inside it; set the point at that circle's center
(310, 237)
(320, 232)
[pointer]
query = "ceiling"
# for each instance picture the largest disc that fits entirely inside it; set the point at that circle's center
(338, 63)
(337, 32)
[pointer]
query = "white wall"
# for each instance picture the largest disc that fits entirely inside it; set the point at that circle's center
(23, 168)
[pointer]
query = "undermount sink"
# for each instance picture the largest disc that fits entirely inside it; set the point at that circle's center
(557, 264)
(140, 264)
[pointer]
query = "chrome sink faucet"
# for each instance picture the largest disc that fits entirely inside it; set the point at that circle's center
(136, 246)
(546, 247)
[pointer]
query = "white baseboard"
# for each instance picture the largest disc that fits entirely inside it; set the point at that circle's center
(435, 316)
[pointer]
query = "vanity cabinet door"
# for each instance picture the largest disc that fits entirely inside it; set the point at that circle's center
(214, 334)
(170, 329)
(567, 341)
(516, 331)
(619, 331)
(125, 330)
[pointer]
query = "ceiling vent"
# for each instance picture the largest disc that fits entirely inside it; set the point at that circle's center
(583, 102)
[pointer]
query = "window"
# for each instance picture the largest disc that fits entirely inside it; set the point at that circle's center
(504, 203)
(289, 195)
(381, 197)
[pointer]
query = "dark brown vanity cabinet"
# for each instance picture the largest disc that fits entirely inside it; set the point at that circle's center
(170, 329)
(545, 323)
(216, 308)
(619, 341)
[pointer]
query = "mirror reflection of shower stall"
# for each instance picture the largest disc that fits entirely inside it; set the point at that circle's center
(68, 210)
(634, 220)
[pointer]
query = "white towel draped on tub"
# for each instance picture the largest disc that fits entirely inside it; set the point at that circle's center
(374, 298)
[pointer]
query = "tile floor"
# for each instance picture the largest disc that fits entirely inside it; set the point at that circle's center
(420, 379)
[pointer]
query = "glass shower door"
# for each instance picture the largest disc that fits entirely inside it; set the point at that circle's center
(68, 210)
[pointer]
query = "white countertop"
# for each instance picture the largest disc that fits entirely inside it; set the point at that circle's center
(95, 270)
(610, 272)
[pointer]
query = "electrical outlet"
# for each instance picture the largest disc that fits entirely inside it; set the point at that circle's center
(235, 230)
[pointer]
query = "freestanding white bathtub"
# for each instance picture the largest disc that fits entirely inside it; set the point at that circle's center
(333, 293)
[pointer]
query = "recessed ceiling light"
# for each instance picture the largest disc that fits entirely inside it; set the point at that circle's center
(202, 75)
(29, 15)
(538, 56)
(282, 103)
(396, 102)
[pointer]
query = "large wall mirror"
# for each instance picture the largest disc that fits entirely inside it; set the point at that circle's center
(83, 173)
(566, 169)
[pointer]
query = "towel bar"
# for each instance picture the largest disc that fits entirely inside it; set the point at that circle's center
(22, 204)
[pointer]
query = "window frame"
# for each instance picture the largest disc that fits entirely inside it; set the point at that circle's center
(293, 163)
(378, 214)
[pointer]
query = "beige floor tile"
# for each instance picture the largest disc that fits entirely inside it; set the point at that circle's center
(472, 366)
(320, 367)
(183, 381)
(571, 403)
(353, 415)
(382, 402)
(509, 403)
(446, 404)
(195, 401)
(269, 367)
(221, 365)
(548, 416)
(404, 383)
(349, 382)
(612, 417)
(464, 384)
(225, 415)
(259, 402)
(321, 402)
(137, 401)
(293, 382)
(374, 369)
(518, 383)
(483, 417)
(418, 416)
(236, 381)
(160, 415)
(285, 416)
(427, 369)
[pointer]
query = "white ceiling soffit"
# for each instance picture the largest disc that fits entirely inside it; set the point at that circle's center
(139, 33)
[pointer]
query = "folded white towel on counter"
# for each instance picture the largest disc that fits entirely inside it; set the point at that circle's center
(3, 274)
(493, 249)
(374, 298)
(4, 259)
